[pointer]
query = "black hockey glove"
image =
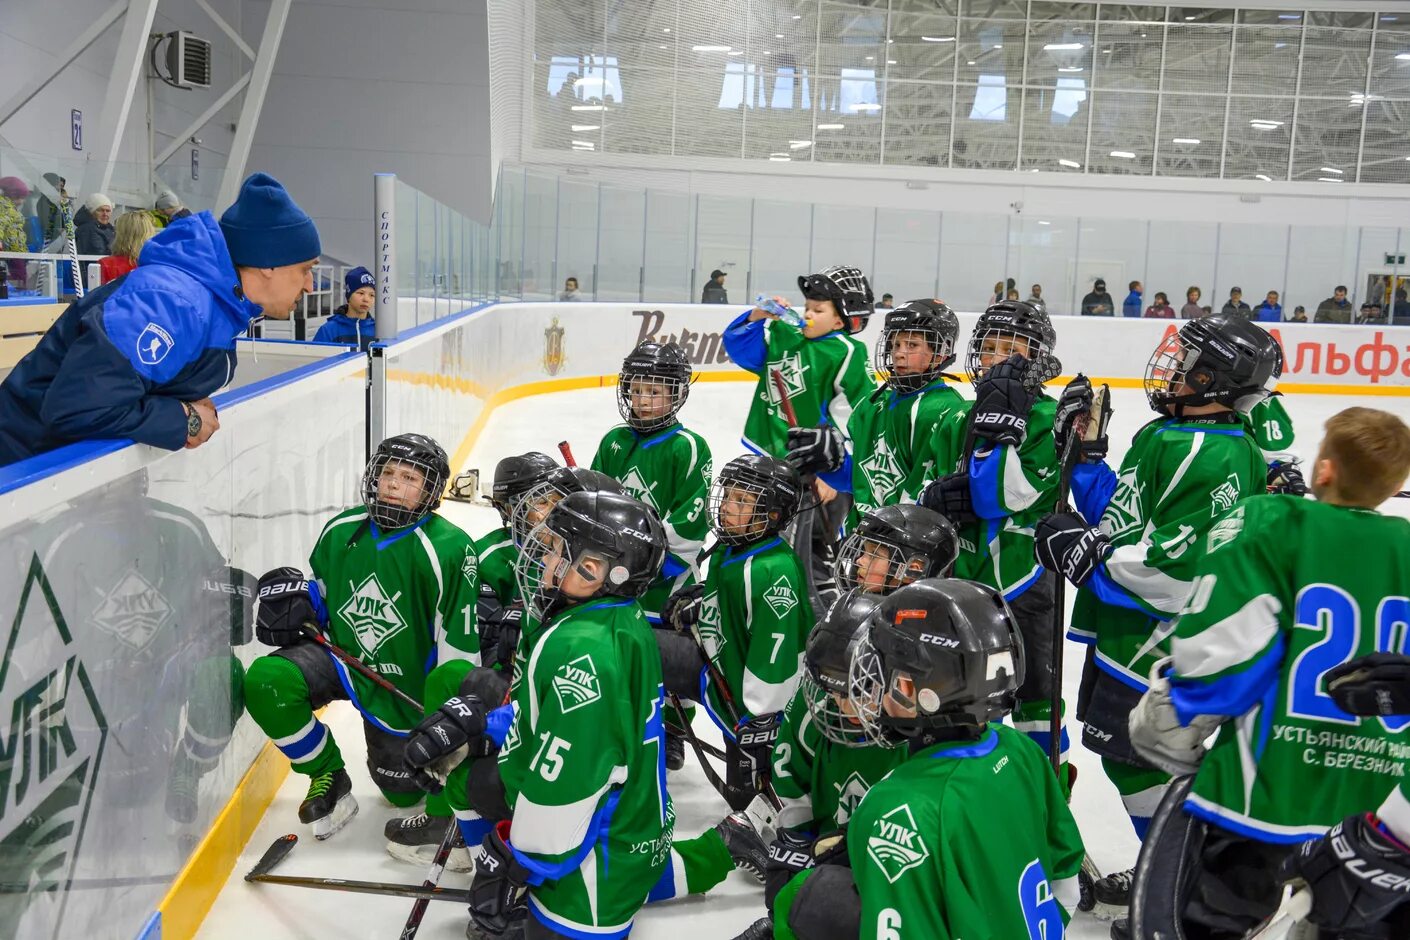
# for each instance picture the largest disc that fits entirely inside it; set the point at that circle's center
(1002, 401)
(443, 739)
(749, 757)
(1286, 477)
(682, 609)
(1063, 542)
(816, 450)
(511, 620)
(284, 608)
(1086, 412)
(950, 496)
(500, 882)
(490, 686)
(1358, 874)
(1378, 684)
(793, 851)
(828, 905)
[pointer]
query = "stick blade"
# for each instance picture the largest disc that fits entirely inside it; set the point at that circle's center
(272, 856)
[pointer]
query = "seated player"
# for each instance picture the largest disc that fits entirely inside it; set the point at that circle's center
(583, 820)
(895, 545)
(891, 432)
(926, 854)
(533, 507)
(750, 617)
(1135, 565)
(395, 584)
(1286, 590)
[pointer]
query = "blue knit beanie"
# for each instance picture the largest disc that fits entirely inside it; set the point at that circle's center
(358, 278)
(265, 229)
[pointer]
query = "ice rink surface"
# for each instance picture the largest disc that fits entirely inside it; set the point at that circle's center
(716, 411)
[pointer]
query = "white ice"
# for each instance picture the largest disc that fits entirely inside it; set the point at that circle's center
(715, 410)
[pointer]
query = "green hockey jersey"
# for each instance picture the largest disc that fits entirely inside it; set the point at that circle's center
(670, 472)
(893, 450)
(968, 840)
(821, 782)
(1271, 428)
(754, 620)
(400, 602)
(498, 554)
(1289, 588)
(584, 768)
(1177, 479)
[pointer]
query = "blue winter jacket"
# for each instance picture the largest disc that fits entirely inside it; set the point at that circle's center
(1268, 313)
(1131, 306)
(120, 362)
(341, 328)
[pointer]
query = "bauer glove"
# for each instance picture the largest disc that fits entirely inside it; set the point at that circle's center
(285, 606)
(1063, 542)
(1002, 400)
(1358, 873)
(951, 497)
(443, 739)
(500, 881)
(816, 450)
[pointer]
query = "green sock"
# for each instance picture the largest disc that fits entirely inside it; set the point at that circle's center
(705, 860)
(276, 696)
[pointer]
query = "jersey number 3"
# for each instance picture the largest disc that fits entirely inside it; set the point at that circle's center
(1331, 611)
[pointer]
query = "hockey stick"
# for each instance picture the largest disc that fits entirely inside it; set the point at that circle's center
(803, 520)
(567, 453)
(361, 668)
(283, 845)
(433, 877)
(711, 775)
(1293, 911)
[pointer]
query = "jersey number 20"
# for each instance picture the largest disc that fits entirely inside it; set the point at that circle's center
(1333, 612)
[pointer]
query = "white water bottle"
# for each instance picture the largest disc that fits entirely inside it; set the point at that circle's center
(779, 309)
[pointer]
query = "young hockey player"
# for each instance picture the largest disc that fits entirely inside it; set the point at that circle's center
(935, 671)
(751, 614)
(891, 432)
(1005, 478)
(1135, 565)
(895, 545)
(1286, 590)
(395, 584)
(584, 825)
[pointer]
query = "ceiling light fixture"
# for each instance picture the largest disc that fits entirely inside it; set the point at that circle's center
(799, 144)
(838, 127)
(780, 159)
(866, 106)
(1260, 176)
(1123, 154)
(709, 48)
(1077, 166)
(937, 39)
(583, 143)
(1070, 69)
(1041, 222)
(584, 128)
(1185, 140)
(1330, 169)
(1062, 46)
(589, 107)
(1328, 179)
(1404, 57)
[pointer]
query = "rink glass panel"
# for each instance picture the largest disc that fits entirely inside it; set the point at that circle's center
(127, 632)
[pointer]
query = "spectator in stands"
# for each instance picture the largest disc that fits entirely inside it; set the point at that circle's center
(1206, 310)
(95, 233)
(1335, 309)
(1012, 294)
(1235, 304)
(1400, 310)
(133, 230)
(570, 290)
(168, 209)
(1192, 310)
(886, 303)
(1299, 315)
(140, 358)
(1131, 306)
(1270, 311)
(1371, 314)
(1098, 303)
(353, 321)
(998, 295)
(1161, 308)
(1035, 297)
(51, 214)
(14, 235)
(714, 292)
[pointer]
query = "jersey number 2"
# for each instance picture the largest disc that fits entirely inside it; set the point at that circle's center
(1331, 611)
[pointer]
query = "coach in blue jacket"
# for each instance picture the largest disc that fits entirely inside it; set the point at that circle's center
(140, 357)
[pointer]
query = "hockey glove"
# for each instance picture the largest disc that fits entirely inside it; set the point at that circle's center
(794, 851)
(816, 450)
(1285, 477)
(500, 882)
(1086, 412)
(443, 739)
(511, 620)
(950, 496)
(1063, 542)
(1358, 874)
(1002, 401)
(682, 609)
(284, 608)
(1156, 732)
(829, 905)
(749, 753)
(1378, 684)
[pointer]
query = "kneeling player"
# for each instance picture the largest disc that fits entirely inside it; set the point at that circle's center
(395, 584)
(1287, 590)
(938, 667)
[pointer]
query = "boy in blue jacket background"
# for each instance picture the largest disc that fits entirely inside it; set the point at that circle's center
(353, 323)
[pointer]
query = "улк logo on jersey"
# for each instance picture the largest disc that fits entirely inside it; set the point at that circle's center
(882, 471)
(575, 684)
(372, 614)
(54, 743)
(849, 796)
(712, 637)
(780, 597)
(133, 610)
(637, 488)
(896, 846)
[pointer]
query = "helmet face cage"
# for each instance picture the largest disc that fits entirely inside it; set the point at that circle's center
(848, 289)
(1181, 360)
(531, 509)
(868, 684)
(505, 495)
(879, 565)
(406, 500)
(998, 342)
(836, 721)
(747, 505)
(942, 350)
(661, 395)
(545, 559)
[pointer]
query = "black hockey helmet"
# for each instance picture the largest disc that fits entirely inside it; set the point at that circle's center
(848, 289)
(827, 661)
(896, 545)
(663, 363)
(557, 483)
(933, 320)
(1001, 328)
(516, 475)
(776, 488)
(622, 534)
(956, 641)
(1220, 359)
(416, 452)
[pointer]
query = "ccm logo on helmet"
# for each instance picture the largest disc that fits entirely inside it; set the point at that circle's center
(936, 640)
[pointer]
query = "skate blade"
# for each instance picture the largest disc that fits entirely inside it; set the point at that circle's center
(422, 855)
(1101, 910)
(344, 810)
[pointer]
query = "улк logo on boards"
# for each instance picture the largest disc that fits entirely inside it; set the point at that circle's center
(50, 755)
(133, 610)
(702, 349)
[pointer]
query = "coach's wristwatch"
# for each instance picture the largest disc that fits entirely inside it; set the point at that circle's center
(193, 420)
